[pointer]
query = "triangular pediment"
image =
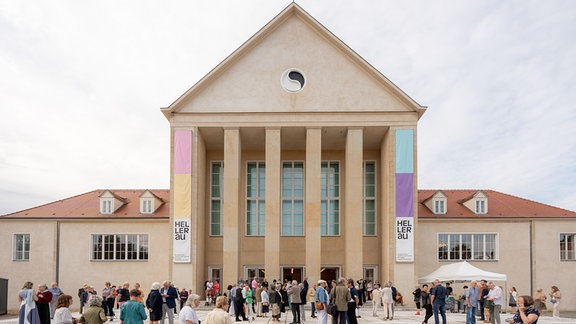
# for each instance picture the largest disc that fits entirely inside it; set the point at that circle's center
(336, 78)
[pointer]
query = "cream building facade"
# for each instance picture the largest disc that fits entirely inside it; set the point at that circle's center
(293, 158)
(307, 146)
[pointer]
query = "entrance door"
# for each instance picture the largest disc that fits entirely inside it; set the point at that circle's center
(329, 274)
(289, 273)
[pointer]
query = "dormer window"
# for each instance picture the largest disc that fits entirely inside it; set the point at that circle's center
(146, 205)
(110, 202)
(437, 203)
(440, 206)
(149, 202)
(481, 206)
(106, 206)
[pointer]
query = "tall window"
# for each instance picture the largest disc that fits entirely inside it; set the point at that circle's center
(293, 198)
(255, 198)
(21, 250)
(146, 206)
(216, 197)
(369, 198)
(567, 251)
(119, 247)
(330, 202)
(439, 206)
(481, 206)
(467, 247)
(106, 206)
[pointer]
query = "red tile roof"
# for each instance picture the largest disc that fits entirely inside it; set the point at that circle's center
(500, 205)
(87, 205)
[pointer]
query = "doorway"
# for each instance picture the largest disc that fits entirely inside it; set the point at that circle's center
(329, 274)
(292, 273)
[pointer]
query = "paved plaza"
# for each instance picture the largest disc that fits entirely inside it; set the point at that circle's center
(401, 316)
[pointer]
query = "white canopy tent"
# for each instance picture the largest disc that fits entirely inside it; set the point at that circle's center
(461, 271)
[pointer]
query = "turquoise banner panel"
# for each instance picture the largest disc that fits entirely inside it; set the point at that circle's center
(404, 151)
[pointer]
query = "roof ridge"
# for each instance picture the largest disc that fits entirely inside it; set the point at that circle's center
(50, 203)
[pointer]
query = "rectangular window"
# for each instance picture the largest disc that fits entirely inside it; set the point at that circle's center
(21, 250)
(481, 206)
(330, 202)
(146, 206)
(369, 198)
(567, 247)
(216, 197)
(119, 247)
(439, 207)
(293, 198)
(255, 198)
(255, 271)
(106, 206)
(467, 246)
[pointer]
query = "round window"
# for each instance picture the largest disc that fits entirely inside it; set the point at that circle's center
(292, 80)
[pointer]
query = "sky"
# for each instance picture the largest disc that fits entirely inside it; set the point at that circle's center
(82, 84)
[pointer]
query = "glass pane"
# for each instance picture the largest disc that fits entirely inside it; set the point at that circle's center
(478, 250)
(466, 246)
(120, 247)
(370, 229)
(443, 246)
(262, 181)
(454, 247)
(251, 180)
(491, 246)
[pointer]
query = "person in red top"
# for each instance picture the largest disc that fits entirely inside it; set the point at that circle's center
(43, 303)
(216, 290)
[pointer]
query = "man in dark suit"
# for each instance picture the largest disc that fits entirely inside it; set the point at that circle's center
(169, 296)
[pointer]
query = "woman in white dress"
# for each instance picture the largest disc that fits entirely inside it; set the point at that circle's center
(388, 301)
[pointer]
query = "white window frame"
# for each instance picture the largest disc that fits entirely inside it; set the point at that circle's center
(473, 244)
(260, 201)
(146, 205)
(213, 199)
(293, 199)
(327, 199)
(481, 206)
(567, 254)
(259, 269)
(142, 240)
(20, 256)
(374, 268)
(106, 206)
(439, 205)
(213, 278)
(366, 198)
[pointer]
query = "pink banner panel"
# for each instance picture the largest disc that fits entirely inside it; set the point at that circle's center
(183, 152)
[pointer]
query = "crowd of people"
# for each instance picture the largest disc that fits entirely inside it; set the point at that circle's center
(338, 301)
(485, 300)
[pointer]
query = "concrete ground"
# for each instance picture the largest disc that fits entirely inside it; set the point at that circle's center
(401, 316)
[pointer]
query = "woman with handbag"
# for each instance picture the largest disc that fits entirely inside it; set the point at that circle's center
(555, 297)
(265, 300)
(321, 301)
(275, 303)
(512, 302)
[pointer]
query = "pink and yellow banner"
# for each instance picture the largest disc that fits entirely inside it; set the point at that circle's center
(182, 190)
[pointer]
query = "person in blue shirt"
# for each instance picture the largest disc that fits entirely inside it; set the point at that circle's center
(471, 295)
(438, 299)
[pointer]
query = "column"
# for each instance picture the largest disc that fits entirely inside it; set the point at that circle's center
(231, 235)
(353, 204)
(273, 203)
(313, 237)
